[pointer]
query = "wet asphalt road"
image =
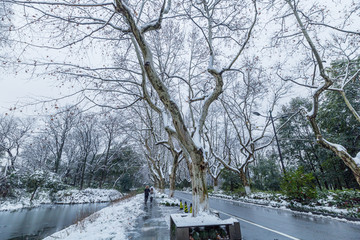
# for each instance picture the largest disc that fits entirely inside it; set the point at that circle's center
(263, 223)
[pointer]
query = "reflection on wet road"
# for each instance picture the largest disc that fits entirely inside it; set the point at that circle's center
(154, 223)
(264, 223)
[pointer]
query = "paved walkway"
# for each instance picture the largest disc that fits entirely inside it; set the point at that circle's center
(154, 224)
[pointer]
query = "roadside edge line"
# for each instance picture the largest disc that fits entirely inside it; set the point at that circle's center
(260, 226)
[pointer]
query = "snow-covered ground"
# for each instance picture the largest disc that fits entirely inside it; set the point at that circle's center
(114, 221)
(88, 195)
(165, 200)
(109, 223)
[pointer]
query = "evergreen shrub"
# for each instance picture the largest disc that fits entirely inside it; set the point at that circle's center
(299, 186)
(346, 198)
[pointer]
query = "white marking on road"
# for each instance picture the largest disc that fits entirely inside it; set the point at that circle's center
(258, 225)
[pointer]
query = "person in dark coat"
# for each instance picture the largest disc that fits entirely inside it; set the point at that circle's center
(147, 192)
(152, 194)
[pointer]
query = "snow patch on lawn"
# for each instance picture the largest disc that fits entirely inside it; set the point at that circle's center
(165, 200)
(109, 223)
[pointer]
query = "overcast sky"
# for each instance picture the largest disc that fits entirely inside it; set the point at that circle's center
(17, 90)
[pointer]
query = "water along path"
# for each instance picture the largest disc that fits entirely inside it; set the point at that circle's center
(39, 222)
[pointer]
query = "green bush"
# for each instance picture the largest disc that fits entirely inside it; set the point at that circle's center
(46, 180)
(354, 212)
(183, 184)
(299, 186)
(232, 181)
(209, 232)
(266, 174)
(34, 181)
(346, 198)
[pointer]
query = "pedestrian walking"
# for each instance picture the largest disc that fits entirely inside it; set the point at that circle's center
(152, 194)
(146, 192)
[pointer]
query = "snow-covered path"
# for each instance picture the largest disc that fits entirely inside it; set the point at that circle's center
(109, 223)
(154, 223)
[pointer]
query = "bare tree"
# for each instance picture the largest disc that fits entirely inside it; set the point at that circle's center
(112, 127)
(36, 152)
(88, 143)
(157, 144)
(238, 135)
(215, 169)
(5, 9)
(190, 141)
(72, 153)
(219, 33)
(320, 40)
(156, 155)
(13, 134)
(59, 126)
(177, 157)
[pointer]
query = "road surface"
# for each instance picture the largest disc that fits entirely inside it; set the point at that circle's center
(263, 223)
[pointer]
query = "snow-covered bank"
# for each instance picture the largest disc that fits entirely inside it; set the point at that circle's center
(24, 202)
(88, 195)
(62, 197)
(109, 223)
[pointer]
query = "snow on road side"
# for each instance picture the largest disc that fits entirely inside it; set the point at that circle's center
(327, 205)
(109, 223)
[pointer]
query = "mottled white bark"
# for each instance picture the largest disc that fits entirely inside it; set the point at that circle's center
(199, 189)
(200, 195)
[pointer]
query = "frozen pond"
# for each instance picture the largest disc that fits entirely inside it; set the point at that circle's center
(39, 222)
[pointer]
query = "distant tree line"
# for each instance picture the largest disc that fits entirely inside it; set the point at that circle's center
(81, 149)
